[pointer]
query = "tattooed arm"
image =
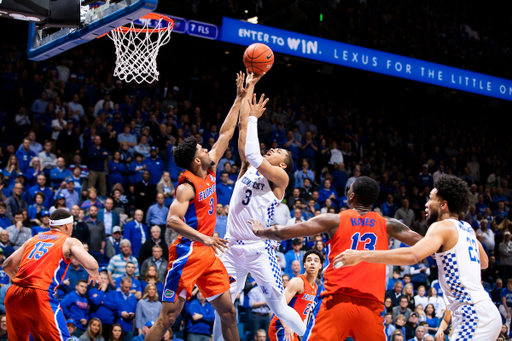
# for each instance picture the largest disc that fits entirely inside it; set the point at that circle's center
(401, 232)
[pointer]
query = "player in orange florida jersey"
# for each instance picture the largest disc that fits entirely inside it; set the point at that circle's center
(30, 302)
(192, 215)
(300, 294)
(352, 294)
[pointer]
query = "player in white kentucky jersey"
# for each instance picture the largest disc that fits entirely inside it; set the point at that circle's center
(459, 256)
(260, 187)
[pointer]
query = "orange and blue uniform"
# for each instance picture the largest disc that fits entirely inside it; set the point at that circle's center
(356, 293)
(192, 262)
(302, 303)
(30, 303)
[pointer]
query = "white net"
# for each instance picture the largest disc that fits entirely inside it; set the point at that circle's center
(137, 49)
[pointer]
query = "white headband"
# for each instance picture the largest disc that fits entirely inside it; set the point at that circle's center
(61, 222)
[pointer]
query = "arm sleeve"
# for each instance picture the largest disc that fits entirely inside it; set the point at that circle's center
(252, 144)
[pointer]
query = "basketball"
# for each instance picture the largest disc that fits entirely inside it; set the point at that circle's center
(258, 58)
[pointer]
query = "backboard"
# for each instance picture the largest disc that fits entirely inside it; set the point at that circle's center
(95, 20)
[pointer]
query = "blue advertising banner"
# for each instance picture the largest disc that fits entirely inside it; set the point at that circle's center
(328, 51)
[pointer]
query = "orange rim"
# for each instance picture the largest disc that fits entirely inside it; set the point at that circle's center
(153, 16)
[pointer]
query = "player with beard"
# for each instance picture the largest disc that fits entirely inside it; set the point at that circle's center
(459, 256)
(352, 294)
(192, 215)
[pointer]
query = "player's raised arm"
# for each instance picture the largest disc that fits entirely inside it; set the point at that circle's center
(13, 262)
(77, 251)
(229, 125)
(252, 79)
(434, 239)
(317, 225)
(184, 194)
(401, 232)
(276, 175)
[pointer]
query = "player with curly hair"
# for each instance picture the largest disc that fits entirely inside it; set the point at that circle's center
(459, 256)
(192, 215)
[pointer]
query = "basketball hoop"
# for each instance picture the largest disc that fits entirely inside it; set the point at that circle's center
(137, 48)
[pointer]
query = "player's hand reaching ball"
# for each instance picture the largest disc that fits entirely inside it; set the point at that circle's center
(257, 108)
(253, 78)
(216, 243)
(241, 91)
(256, 226)
(347, 258)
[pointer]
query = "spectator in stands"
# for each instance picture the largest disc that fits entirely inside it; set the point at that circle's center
(15, 202)
(411, 328)
(202, 316)
(109, 217)
(328, 193)
(166, 187)
(59, 173)
(148, 308)
(506, 256)
(18, 233)
(116, 333)
(155, 166)
(156, 260)
(12, 170)
(74, 305)
(143, 147)
(97, 234)
(113, 243)
(487, 234)
(41, 187)
(224, 189)
(389, 208)
(94, 331)
(144, 192)
(5, 221)
(296, 269)
(350, 181)
(97, 156)
(304, 173)
(222, 220)
(136, 169)
(44, 223)
(4, 243)
(127, 137)
(67, 189)
(432, 320)
(398, 328)
(102, 304)
(402, 308)
(126, 307)
(157, 213)
(136, 232)
(93, 200)
(147, 248)
(294, 254)
(25, 155)
(151, 277)
(38, 207)
(396, 293)
(136, 287)
(47, 158)
(144, 330)
(405, 214)
(117, 264)
(80, 228)
(116, 171)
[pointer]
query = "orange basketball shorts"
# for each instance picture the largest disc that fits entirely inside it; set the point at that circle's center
(192, 263)
(339, 316)
(36, 312)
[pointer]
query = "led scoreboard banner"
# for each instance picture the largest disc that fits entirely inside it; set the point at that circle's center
(333, 52)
